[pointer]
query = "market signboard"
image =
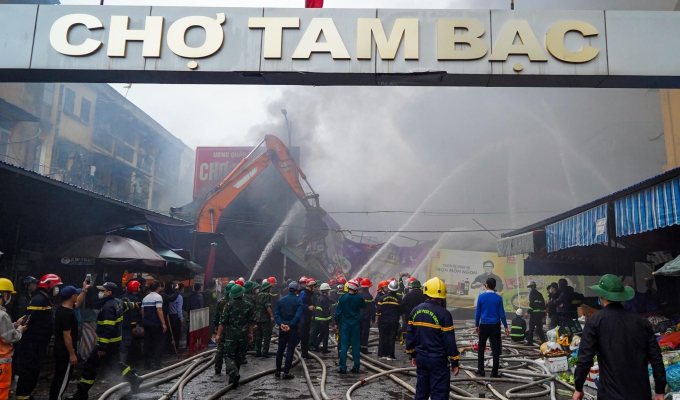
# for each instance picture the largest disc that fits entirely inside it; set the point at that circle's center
(581, 48)
(213, 164)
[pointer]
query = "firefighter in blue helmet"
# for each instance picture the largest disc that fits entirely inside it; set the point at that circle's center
(431, 343)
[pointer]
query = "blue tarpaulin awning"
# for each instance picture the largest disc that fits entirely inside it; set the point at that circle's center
(652, 208)
(583, 229)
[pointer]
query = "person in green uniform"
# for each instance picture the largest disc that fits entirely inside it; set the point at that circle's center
(264, 316)
(219, 340)
(237, 323)
(251, 296)
(348, 316)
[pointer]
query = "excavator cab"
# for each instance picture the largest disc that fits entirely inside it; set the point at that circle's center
(247, 170)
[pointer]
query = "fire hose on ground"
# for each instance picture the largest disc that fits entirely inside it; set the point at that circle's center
(145, 385)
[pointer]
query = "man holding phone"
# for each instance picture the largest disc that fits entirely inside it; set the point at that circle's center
(66, 338)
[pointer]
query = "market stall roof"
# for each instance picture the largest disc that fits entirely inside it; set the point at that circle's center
(524, 243)
(47, 212)
(648, 183)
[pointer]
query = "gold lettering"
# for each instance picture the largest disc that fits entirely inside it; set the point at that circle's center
(529, 44)
(447, 39)
(61, 27)
(273, 33)
(309, 42)
(554, 41)
(406, 28)
(120, 34)
(214, 36)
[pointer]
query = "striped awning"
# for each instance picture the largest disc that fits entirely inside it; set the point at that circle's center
(653, 208)
(584, 229)
(515, 245)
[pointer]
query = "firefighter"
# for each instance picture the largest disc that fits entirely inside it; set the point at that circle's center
(313, 285)
(536, 313)
(305, 295)
(109, 335)
(348, 317)
(367, 314)
(130, 319)
(219, 339)
(518, 327)
(20, 305)
(10, 333)
(342, 290)
(388, 314)
(323, 316)
(237, 323)
(274, 292)
(37, 336)
(264, 317)
(431, 343)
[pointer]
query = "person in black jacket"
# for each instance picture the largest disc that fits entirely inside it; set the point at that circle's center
(563, 303)
(109, 335)
(625, 345)
(388, 314)
(552, 307)
(413, 298)
(323, 316)
(367, 314)
(536, 313)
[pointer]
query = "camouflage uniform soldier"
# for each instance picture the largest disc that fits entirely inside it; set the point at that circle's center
(250, 296)
(219, 339)
(264, 316)
(237, 322)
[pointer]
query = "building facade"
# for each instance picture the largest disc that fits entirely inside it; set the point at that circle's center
(91, 136)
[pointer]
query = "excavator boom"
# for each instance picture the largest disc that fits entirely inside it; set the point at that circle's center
(246, 171)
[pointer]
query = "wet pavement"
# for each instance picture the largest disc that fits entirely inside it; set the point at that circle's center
(269, 387)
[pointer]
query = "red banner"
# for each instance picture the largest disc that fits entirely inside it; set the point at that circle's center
(213, 164)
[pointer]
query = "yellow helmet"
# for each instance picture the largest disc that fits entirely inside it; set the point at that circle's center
(435, 288)
(346, 287)
(6, 285)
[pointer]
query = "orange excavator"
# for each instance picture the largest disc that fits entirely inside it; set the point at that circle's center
(246, 171)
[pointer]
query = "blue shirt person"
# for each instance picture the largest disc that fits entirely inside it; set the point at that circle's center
(287, 314)
(488, 318)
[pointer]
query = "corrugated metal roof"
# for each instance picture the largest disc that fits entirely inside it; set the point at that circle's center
(655, 180)
(29, 172)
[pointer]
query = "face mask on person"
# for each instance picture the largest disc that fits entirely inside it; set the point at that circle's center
(599, 302)
(101, 295)
(55, 291)
(8, 300)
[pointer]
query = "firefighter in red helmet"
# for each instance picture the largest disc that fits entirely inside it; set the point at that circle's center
(37, 336)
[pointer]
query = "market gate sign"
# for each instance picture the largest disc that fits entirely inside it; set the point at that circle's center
(338, 47)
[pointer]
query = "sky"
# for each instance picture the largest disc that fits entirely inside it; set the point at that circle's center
(503, 157)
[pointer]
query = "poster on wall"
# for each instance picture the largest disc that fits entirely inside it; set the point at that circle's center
(465, 274)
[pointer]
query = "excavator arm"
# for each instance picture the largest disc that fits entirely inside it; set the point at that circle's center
(246, 171)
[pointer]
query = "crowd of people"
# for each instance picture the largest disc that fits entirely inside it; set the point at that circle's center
(306, 312)
(45, 308)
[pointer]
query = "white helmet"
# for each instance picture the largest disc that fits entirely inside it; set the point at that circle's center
(393, 286)
(519, 312)
(325, 286)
